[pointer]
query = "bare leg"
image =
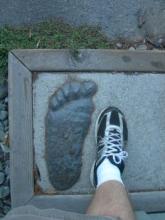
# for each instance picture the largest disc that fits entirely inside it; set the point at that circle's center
(111, 199)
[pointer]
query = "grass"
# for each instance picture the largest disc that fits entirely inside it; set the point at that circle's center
(48, 35)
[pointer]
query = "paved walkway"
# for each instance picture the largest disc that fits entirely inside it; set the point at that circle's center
(126, 19)
(142, 100)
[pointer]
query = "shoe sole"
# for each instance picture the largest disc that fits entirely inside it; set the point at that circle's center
(96, 125)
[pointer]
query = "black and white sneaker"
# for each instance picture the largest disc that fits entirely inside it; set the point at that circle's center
(111, 138)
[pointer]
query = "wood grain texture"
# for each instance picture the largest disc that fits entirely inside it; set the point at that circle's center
(20, 129)
(96, 60)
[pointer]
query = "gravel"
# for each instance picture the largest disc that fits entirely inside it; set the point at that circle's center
(5, 202)
(119, 45)
(3, 91)
(4, 191)
(141, 47)
(131, 48)
(1, 166)
(2, 106)
(3, 115)
(2, 134)
(2, 177)
(142, 44)
(6, 123)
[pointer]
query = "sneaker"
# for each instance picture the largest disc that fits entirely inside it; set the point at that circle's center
(111, 136)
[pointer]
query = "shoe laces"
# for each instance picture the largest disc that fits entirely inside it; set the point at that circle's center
(112, 145)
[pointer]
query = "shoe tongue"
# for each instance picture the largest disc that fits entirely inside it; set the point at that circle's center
(114, 132)
(111, 159)
(115, 142)
(114, 127)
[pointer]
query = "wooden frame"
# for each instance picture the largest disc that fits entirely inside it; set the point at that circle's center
(23, 64)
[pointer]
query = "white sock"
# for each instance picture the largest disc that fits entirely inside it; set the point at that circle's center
(107, 171)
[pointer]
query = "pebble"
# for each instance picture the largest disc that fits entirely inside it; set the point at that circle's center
(1, 155)
(1, 204)
(6, 100)
(3, 91)
(4, 191)
(119, 45)
(2, 135)
(1, 125)
(1, 166)
(7, 170)
(2, 177)
(1, 214)
(160, 43)
(5, 202)
(2, 107)
(5, 148)
(3, 115)
(6, 123)
(6, 129)
(131, 48)
(6, 209)
(141, 47)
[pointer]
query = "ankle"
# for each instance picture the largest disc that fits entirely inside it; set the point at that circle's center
(108, 172)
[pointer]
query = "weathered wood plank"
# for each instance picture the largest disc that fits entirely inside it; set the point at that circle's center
(74, 203)
(149, 201)
(20, 129)
(21, 63)
(97, 60)
(146, 201)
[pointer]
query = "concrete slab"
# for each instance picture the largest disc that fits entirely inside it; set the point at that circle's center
(141, 98)
(127, 19)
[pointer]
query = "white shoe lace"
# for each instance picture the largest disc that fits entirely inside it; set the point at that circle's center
(112, 145)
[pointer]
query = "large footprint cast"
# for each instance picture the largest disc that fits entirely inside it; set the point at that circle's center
(67, 123)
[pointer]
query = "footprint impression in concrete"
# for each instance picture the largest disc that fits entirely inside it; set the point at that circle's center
(67, 123)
